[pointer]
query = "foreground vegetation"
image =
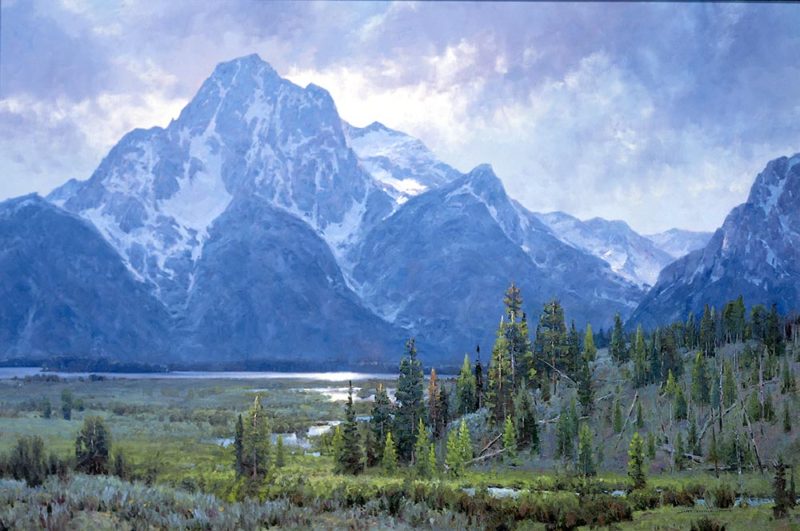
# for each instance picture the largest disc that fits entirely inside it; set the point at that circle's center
(683, 427)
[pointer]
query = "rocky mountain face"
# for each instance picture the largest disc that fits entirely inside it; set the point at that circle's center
(756, 253)
(260, 226)
(632, 256)
(65, 290)
(441, 263)
(678, 242)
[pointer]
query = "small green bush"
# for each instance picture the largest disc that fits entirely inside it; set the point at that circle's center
(723, 496)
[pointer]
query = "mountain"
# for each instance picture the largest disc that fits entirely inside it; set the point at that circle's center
(632, 256)
(247, 132)
(678, 242)
(402, 163)
(756, 253)
(441, 264)
(66, 291)
(258, 226)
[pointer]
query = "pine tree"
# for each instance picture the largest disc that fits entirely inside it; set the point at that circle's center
(639, 415)
(389, 461)
(729, 395)
(671, 387)
(564, 437)
(237, 445)
(371, 457)
(453, 459)
(586, 465)
(444, 411)
(255, 442)
(92, 447)
(509, 438)
(421, 452)
(713, 451)
(651, 446)
(479, 385)
(501, 383)
(585, 390)
(636, 461)
(700, 382)
(337, 447)
(617, 348)
(572, 361)
(692, 441)
(678, 457)
(707, 332)
(66, 404)
(589, 350)
(654, 357)
(351, 461)
(465, 389)
(464, 442)
(552, 342)
(381, 420)
(411, 406)
(787, 420)
(690, 332)
(617, 417)
(788, 382)
(525, 420)
(640, 375)
(280, 453)
(433, 399)
(432, 464)
(680, 408)
(774, 332)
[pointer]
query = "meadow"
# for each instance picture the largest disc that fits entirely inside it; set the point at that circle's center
(175, 437)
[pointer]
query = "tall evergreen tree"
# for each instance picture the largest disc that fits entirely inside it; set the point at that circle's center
(773, 339)
(479, 384)
(690, 332)
(465, 442)
(280, 453)
(433, 399)
(444, 411)
(617, 422)
(639, 415)
(586, 465)
(381, 420)
(552, 341)
(589, 350)
(255, 442)
(617, 348)
(680, 408)
(237, 444)
(389, 458)
(465, 389)
(501, 382)
(701, 392)
(351, 460)
(411, 406)
(636, 462)
(585, 388)
(707, 331)
(640, 360)
(572, 362)
(565, 446)
(509, 438)
(422, 452)
(525, 420)
(729, 394)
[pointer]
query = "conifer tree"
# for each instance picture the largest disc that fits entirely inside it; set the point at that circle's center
(700, 383)
(237, 444)
(680, 408)
(639, 415)
(787, 420)
(433, 399)
(421, 452)
(479, 384)
(444, 410)
(713, 451)
(337, 447)
(432, 465)
(371, 456)
(509, 438)
(636, 461)
(67, 401)
(656, 371)
(586, 465)
(351, 460)
(788, 382)
(464, 442)
(465, 389)
(389, 460)
(255, 442)
(501, 383)
(280, 453)
(453, 458)
(617, 417)
(585, 389)
(525, 420)
(651, 446)
(671, 387)
(617, 349)
(690, 332)
(564, 437)
(707, 331)
(411, 406)
(572, 362)
(678, 457)
(729, 395)
(589, 350)
(552, 342)
(640, 375)
(381, 420)
(774, 332)
(692, 441)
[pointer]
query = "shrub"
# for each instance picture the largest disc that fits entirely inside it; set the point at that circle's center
(707, 524)
(27, 460)
(644, 499)
(723, 496)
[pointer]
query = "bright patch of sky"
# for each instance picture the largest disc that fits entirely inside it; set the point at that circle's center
(658, 114)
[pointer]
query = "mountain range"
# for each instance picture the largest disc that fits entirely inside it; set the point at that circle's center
(259, 225)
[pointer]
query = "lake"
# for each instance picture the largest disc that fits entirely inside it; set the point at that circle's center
(6, 373)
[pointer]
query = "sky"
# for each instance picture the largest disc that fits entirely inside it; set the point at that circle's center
(657, 114)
